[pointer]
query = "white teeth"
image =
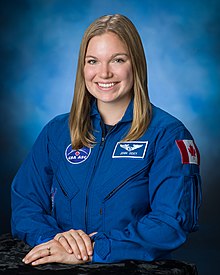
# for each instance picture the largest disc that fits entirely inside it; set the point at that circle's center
(106, 85)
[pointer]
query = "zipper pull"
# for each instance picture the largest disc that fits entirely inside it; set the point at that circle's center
(103, 140)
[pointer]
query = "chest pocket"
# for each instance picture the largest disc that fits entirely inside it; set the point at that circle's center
(63, 191)
(130, 200)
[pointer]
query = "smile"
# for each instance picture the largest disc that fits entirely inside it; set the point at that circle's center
(106, 85)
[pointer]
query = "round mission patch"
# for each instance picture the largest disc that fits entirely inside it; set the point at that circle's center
(77, 156)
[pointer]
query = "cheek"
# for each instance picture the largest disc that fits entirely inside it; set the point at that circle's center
(128, 76)
(89, 74)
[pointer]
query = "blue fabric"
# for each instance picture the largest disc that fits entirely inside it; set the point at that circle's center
(139, 196)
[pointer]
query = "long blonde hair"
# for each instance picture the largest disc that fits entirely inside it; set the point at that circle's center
(79, 121)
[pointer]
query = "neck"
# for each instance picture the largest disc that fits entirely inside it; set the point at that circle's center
(112, 113)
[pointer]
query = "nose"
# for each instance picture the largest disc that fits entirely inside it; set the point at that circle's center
(105, 71)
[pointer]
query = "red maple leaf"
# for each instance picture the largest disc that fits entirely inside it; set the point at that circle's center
(192, 150)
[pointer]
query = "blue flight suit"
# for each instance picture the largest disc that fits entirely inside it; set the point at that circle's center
(142, 197)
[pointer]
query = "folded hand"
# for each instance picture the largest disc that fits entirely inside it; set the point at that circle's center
(51, 252)
(76, 242)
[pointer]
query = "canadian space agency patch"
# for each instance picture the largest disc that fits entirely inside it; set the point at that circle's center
(189, 152)
(77, 156)
(130, 149)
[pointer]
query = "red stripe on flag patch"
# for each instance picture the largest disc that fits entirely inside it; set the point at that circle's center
(189, 152)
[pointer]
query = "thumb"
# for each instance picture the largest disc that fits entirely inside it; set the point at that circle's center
(92, 234)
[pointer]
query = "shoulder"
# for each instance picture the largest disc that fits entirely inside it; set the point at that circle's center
(167, 126)
(59, 121)
(52, 134)
(163, 120)
(57, 127)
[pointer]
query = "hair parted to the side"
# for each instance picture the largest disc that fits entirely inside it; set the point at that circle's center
(79, 121)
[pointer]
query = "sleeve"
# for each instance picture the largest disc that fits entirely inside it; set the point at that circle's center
(175, 196)
(31, 196)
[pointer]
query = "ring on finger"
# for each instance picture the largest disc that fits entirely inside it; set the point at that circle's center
(61, 236)
(49, 252)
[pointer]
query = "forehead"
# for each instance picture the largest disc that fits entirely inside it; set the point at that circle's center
(108, 42)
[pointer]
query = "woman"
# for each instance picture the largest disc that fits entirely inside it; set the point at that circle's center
(117, 178)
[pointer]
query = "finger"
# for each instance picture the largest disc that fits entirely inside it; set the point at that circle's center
(58, 257)
(92, 234)
(44, 252)
(43, 260)
(63, 241)
(73, 242)
(83, 242)
(87, 242)
(69, 243)
(38, 248)
(32, 251)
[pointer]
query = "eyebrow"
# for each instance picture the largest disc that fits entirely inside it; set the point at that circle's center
(113, 56)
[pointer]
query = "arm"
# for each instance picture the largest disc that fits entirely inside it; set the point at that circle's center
(32, 203)
(174, 190)
(31, 196)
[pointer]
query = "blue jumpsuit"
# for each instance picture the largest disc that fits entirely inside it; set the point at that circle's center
(142, 196)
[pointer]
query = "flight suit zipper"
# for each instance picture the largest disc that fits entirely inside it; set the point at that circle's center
(101, 147)
(122, 184)
(114, 191)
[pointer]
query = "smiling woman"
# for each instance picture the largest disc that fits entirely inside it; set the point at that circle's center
(108, 76)
(124, 33)
(115, 179)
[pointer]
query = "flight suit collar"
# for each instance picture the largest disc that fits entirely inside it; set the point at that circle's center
(128, 116)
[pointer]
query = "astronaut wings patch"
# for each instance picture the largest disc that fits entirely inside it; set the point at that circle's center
(130, 149)
(189, 152)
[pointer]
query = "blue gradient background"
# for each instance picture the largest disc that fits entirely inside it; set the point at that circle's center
(39, 47)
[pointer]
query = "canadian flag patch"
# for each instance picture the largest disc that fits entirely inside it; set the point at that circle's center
(189, 152)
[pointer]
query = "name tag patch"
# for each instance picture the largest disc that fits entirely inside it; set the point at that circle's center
(130, 149)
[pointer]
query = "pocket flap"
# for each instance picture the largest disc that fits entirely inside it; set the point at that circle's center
(66, 182)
